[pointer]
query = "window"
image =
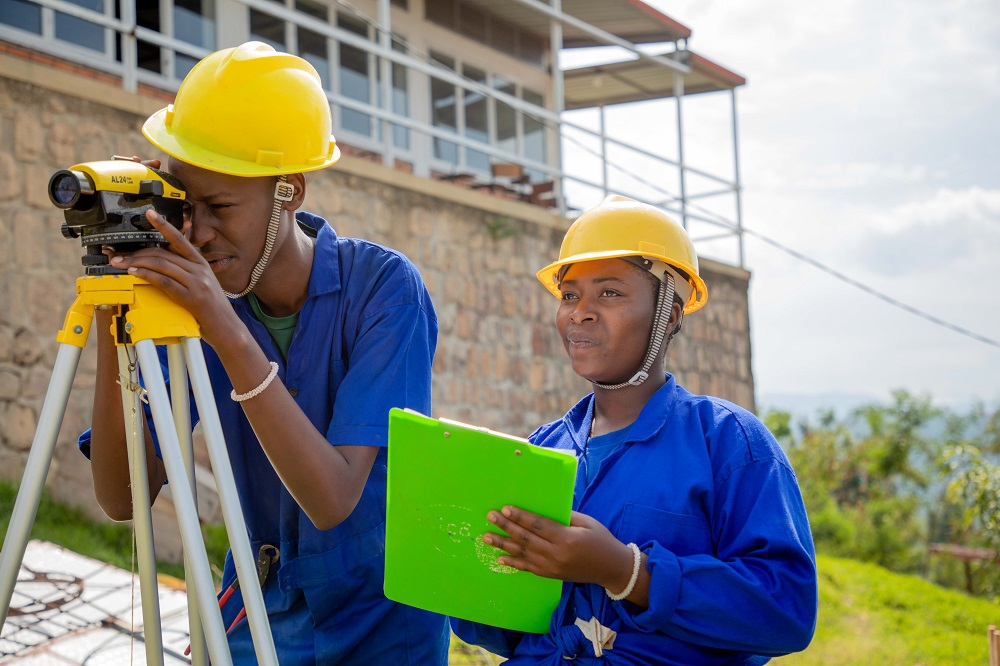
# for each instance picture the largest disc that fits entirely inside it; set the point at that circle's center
(147, 15)
(483, 27)
(23, 15)
(400, 97)
(78, 31)
(473, 23)
(442, 12)
(355, 78)
(312, 45)
(477, 125)
(444, 111)
(194, 23)
(506, 132)
(485, 120)
(534, 130)
(191, 22)
(267, 28)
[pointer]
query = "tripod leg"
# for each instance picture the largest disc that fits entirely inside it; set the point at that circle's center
(182, 419)
(36, 469)
(187, 512)
(142, 519)
(239, 542)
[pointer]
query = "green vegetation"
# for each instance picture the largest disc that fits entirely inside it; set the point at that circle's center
(880, 486)
(108, 542)
(887, 481)
(868, 615)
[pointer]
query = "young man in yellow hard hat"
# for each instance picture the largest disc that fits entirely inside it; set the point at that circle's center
(310, 339)
(689, 543)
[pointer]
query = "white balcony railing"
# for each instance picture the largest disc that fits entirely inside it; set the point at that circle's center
(90, 33)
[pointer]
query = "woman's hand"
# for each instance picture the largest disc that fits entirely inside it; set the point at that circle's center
(184, 275)
(583, 552)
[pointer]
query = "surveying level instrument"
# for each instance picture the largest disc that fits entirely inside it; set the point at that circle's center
(144, 316)
(104, 204)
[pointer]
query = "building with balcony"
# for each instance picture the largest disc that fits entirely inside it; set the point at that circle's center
(473, 133)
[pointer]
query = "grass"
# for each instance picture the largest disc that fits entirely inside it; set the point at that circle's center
(112, 542)
(867, 615)
(108, 542)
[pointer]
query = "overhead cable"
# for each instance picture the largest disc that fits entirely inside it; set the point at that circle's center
(711, 214)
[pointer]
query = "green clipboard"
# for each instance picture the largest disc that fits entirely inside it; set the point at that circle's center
(443, 478)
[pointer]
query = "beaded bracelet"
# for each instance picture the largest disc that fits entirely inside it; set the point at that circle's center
(635, 576)
(254, 392)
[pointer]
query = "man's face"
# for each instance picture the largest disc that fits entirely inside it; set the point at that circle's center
(228, 220)
(605, 318)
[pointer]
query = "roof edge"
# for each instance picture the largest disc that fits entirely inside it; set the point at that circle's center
(683, 32)
(716, 70)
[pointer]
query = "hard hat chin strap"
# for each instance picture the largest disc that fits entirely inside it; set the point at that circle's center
(283, 192)
(661, 319)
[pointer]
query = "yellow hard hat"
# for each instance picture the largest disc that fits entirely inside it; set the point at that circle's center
(621, 227)
(248, 111)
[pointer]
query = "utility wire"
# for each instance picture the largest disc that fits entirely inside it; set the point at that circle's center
(704, 211)
(801, 257)
(874, 292)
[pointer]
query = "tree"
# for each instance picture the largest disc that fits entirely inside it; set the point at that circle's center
(886, 481)
(973, 483)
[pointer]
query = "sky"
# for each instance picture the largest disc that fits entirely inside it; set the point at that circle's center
(869, 140)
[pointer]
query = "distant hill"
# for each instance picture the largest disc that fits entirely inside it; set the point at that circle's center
(808, 406)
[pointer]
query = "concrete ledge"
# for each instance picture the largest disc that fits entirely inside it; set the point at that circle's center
(45, 75)
(48, 77)
(451, 193)
(724, 269)
(83, 87)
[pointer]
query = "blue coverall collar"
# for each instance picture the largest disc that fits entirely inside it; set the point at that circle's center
(320, 282)
(328, 280)
(647, 426)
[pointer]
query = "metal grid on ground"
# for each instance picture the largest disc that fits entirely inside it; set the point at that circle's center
(69, 609)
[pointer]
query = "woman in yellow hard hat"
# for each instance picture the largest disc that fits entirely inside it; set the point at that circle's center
(310, 339)
(689, 543)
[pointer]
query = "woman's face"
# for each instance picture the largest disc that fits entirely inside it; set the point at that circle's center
(605, 318)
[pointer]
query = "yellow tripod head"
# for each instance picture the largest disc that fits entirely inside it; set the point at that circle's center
(144, 312)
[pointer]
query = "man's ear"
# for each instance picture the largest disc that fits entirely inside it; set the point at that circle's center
(298, 181)
(676, 318)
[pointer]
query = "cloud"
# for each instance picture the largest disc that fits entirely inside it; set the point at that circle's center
(847, 176)
(954, 228)
(868, 139)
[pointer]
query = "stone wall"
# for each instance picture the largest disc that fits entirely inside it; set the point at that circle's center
(499, 362)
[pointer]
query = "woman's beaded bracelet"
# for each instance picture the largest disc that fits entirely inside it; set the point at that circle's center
(635, 576)
(254, 392)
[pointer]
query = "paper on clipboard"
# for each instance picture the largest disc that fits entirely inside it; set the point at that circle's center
(443, 478)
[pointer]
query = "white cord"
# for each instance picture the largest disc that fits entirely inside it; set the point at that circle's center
(635, 576)
(661, 318)
(283, 191)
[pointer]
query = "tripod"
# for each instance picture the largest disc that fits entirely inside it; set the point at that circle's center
(144, 317)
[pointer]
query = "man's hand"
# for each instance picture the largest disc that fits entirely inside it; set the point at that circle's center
(184, 275)
(152, 164)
